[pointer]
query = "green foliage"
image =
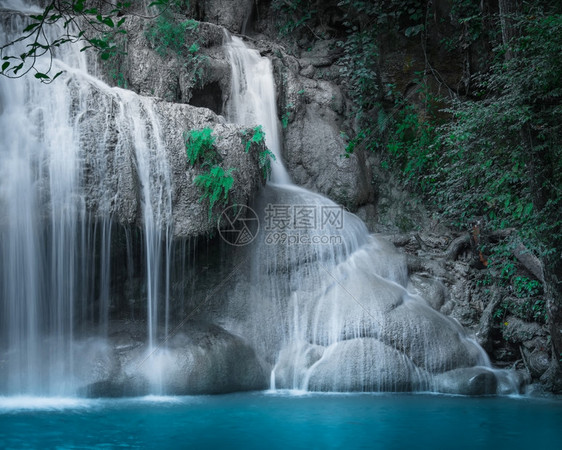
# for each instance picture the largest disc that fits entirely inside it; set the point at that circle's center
(359, 69)
(265, 158)
(364, 21)
(525, 287)
(169, 37)
(214, 182)
(111, 48)
(533, 309)
(288, 111)
(364, 138)
(293, 14)
(257, 140)
(503, 158)
(257, 137)
(172, 38)
(216, 185)
(413, 143)
(467, 16)
(495, 156)
(199, 147)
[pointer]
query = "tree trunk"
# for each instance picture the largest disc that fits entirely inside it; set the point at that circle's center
(508, 11)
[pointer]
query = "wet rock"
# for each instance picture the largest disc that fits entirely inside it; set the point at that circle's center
(430, 289)
(516, 330)
(364, 365)
(314, 149)
(294, 362)
(537, 362)
(201, 359)
(486, 326)
(467, 381)
(112, 181)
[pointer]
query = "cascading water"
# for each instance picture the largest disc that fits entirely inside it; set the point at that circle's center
(57, 201)
(325, 303)
(252, 99)
(84, 166)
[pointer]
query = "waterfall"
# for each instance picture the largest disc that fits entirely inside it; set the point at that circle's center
(323, 302)
(86, 196)
(252, 99)
(57, 205)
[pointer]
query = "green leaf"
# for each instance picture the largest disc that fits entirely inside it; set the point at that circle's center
(41, 76)
(31, 27)
(5, 66)
(17, 68)
(79, 6)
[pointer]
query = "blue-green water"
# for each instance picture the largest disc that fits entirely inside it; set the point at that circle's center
(282, 420)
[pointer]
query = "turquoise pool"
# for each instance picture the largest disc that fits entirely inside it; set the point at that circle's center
(265, 420)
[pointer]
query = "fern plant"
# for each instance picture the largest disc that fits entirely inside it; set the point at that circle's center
(265, 155)
(199, 147)
(216, 185)
(257, 138)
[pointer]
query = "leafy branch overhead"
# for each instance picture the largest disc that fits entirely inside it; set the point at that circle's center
(60, 23)
(65, 22)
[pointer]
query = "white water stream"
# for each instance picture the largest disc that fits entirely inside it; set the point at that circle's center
(56, 142)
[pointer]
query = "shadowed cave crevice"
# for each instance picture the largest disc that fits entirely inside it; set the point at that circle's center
(209, 96)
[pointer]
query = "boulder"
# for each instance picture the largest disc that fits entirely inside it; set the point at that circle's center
(430, 289)
(365, 365)
(200, 359)
(516, 330)
(467, 381)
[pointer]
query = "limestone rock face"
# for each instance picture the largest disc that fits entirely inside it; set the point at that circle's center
(231, 15)
(312, 113)
(190, 216)
(147, 132)
(311, 110)
(196, 73)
